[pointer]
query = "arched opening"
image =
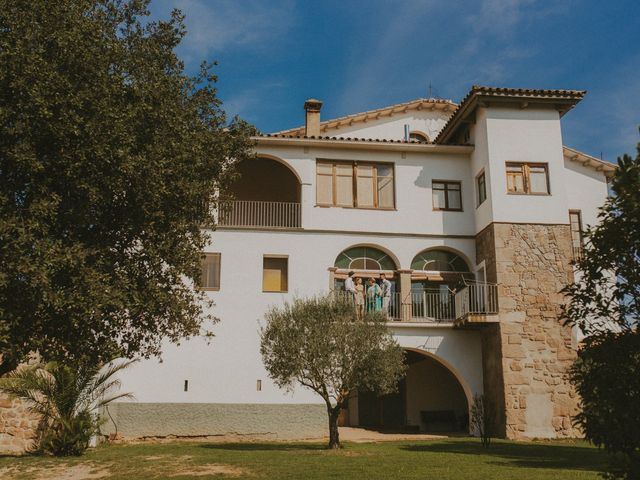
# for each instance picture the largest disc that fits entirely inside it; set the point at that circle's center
(437, 275)
(418, 136)
(430, 399)
(266, 193)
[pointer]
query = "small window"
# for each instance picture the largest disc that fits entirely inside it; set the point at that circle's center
(275, 274)
(210, 273)
(447, 195)
(527, 178)
(481, 185)
(577, 240)
(418, 137)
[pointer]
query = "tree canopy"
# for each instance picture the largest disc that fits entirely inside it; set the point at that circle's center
(321, 344)
(111, 157)
(605, 303)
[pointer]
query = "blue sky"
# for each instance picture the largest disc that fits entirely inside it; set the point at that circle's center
(357, 55)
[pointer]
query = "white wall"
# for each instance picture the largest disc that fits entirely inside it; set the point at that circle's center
(527, 135)
(428, 122)
(586, 190)
(226, 371)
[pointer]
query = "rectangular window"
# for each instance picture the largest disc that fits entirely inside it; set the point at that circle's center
(275, 274)
(577, 240)
(527, 178)
(210, 273)
(447, 195)
(481, 185)
(354, 184)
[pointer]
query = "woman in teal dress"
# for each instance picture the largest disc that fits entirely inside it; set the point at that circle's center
(374, 296)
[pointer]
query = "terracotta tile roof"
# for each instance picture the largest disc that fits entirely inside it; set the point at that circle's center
(347, 139)
(566, 100)
(418, 104)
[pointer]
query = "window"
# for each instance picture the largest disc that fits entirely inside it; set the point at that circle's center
(355, 184)
(481, 184)
(439, 260)
(527, 178)
(418, 137)
(364, 258)
(210, 273)
(577, 240)
(446, 195)
(275, 274)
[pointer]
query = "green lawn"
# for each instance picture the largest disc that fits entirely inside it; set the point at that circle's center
(456, 458)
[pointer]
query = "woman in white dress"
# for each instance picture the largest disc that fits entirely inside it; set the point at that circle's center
(359, 297)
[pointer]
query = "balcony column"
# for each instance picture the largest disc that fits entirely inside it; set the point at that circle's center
(405, 295)
(332, 278)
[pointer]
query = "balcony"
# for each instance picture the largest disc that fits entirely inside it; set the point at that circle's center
(474, 299)
(256, 214)
(470, 302)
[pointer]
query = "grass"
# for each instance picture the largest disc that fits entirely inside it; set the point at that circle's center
(453, 458)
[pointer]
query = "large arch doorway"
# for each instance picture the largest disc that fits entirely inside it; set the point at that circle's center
(430, 399)
(266, 193)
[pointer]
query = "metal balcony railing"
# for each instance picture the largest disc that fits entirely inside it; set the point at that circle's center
(476, 299)
(252, 213)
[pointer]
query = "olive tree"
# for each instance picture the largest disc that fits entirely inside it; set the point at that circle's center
(321, 344)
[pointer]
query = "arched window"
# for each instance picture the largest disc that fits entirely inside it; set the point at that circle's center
(364, 258)
(418, 137)
(439, 260)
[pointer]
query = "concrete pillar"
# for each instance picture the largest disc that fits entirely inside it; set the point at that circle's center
(332, 277)
(405, 295)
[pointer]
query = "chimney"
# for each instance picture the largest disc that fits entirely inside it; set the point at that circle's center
(312, 120)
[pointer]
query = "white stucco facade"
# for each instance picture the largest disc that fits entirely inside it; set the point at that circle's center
(229, 368)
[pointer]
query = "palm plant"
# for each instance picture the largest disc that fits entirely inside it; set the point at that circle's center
(67, 399)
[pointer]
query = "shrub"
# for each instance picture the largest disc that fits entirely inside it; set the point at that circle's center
(483, 418)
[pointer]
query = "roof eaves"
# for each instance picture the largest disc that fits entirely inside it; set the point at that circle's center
(567, 97)
(589, 161)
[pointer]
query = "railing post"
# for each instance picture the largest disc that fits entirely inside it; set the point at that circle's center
(406, 315)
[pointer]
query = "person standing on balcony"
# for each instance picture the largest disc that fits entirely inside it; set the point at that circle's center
(350, 287)
(374, 296)
(385, 286)
(359, 297)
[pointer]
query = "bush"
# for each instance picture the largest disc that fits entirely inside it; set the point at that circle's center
(483, 418)
(67, 399)
(607, 379)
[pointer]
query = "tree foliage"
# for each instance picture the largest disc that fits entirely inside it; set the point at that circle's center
(320, 344)
(67, 399)
(605, 303)
(111, 157)
(607, 292)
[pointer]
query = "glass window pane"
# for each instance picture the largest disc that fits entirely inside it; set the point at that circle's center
(325, 168)
(324, 190)
(210, 274)
(274, 274)
(365, 191)
(437, 186)
(538, 181)
(385, 192)
(439, 199)
(385, 170)
(344, 191)
(365, 170)
(455, 202)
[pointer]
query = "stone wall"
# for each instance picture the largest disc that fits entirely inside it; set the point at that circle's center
(269, 421)
(530, 348)
(17, 426)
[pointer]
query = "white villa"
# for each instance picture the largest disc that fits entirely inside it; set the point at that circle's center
(474, 211)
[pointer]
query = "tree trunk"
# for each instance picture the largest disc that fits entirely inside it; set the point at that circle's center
(334, 438)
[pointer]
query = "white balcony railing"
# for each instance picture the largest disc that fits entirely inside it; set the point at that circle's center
(251, 213)
(442, 306)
